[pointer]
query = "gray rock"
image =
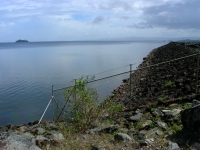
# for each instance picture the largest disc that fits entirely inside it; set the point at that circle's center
(131, 132)
(152, 132)
(141, 134)
(175, 112)
(123, 137)
(40, 131)
(56, 136)
(52, 126)
(104, 129)
(150, 141)
(4, 135)
(34, 126)
(195, 103)
(82, 137)
(190, 118)
(146, 123)
(195, 146)
(158, 132)
(172, 145)
(171, 115)
(165, 111)
(22, 142)
(162, 125)
(157, 112)
(136, 117)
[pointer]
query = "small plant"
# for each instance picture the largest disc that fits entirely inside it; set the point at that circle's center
(186, 106)
(169, 84)
(175, 128)
(152, 125)
(163, 98)
(153, 108)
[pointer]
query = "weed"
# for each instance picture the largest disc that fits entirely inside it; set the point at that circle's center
(152, 109)
(175, 128)
(169, 84)
(152, 125)
(186, 106)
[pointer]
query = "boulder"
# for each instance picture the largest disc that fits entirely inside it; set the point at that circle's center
(147, 123)
(123, 137)
(131, 132)
(162, 125)
(22, 142)
(171, 115)
(190, 118)
(172, 146)
(40, 131)
(136, 117)
(157, 112)
(56, 136)
(151, 133)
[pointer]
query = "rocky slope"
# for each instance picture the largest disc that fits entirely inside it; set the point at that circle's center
(165, 81)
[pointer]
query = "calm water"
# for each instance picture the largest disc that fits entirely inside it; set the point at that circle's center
(28, 70)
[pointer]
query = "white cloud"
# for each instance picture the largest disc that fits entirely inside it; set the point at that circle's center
(78, 19)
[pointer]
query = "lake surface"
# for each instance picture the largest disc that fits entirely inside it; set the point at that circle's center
(28, 71)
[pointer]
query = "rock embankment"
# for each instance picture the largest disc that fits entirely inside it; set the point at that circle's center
(170, 79)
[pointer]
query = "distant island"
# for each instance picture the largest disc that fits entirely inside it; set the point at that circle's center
(22, 41)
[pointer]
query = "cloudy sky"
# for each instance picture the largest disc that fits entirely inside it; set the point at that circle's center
(55, 20)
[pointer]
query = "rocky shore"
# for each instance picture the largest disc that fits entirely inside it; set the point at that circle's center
(161, 112)
(175, 79)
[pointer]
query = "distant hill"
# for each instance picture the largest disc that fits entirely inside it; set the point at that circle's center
(154, 39)
(189, 40)
(22, 41)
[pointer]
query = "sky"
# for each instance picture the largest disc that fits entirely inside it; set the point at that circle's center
(72, 20)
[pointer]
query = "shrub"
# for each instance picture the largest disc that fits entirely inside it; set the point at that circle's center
(85, 110)
(83, 103)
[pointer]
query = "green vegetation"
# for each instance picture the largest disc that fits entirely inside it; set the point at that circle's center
(169, 84)
(175, 128)
(85, 110)
(163, 98)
